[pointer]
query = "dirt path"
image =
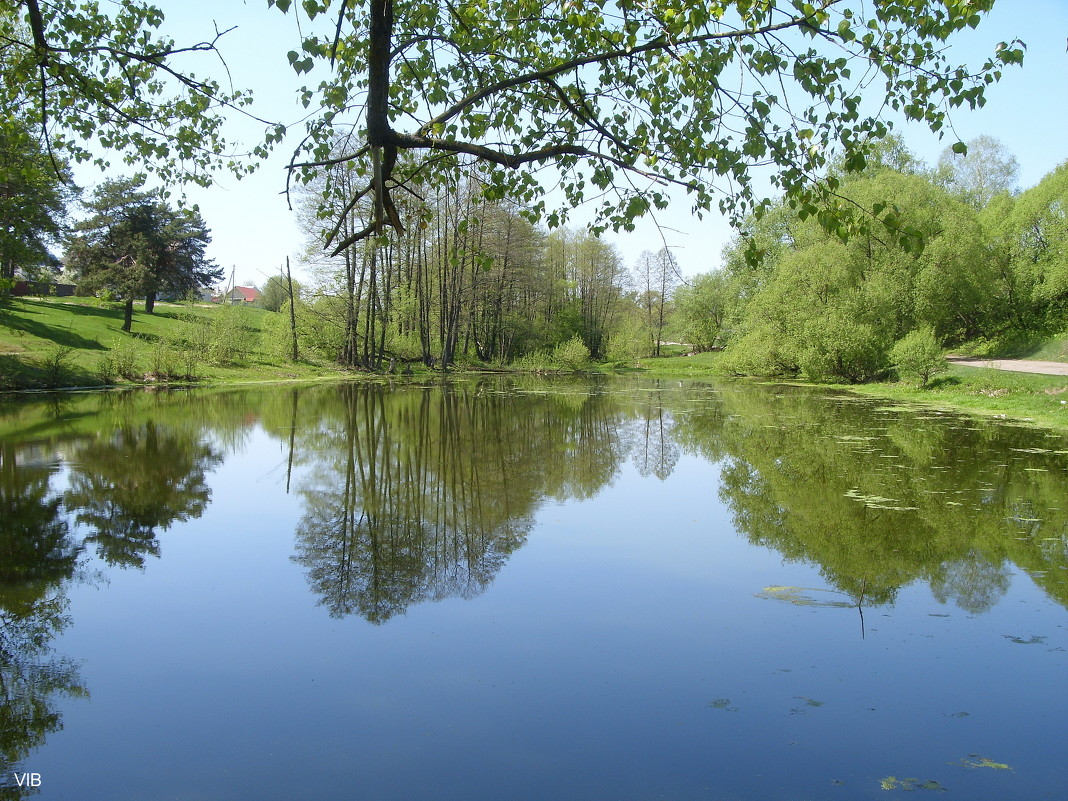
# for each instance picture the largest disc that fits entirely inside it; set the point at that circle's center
(1015, 365)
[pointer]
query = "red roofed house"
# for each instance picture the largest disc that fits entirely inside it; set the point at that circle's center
(242, 295)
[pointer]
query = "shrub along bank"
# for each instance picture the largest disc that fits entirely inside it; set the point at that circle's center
(78, 343)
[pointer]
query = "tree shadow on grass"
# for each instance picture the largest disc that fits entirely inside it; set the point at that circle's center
(939, 383)
(58, 334)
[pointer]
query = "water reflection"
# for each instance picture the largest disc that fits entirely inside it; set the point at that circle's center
(411, 493)
(129, 482)
(881, 498)
(414, 493)
(37, 556)
(423, 494)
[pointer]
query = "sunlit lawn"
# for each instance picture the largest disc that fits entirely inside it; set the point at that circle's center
(83, 331)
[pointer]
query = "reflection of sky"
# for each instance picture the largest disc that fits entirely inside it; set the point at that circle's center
(591, 667)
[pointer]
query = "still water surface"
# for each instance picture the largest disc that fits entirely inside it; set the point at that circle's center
(529, 590)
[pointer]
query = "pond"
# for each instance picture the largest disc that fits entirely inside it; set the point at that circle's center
(528, 589)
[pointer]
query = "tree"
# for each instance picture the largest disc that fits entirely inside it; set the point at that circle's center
(106, 76)
(624, 100)
(182, 265)
(702, 308)
(135, 245)
(34, 193)
(275, 293)
(919, 355)
(1040, 232)
(134, 480)
(833, 309)
(655, 278)
(986, 169)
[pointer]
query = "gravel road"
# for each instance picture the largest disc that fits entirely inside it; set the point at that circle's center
(1015, 365)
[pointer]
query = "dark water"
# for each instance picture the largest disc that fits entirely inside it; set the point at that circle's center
(521, 590)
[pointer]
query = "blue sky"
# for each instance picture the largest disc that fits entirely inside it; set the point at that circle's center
(253, 230)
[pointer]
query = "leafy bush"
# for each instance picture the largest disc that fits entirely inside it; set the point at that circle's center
(918, 355)
(629, 343)
(57, 365)
(173, 359)
(761, 351)
(571, 355)
(841, 348)
(225, 338)
(537, 361)
(11, 372)
(106, 370)
(124, 354)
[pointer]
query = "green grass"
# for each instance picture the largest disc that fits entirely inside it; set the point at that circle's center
(1042, 399)
(30, 326)
(700, 364)
(46, 343)
(1039, 398)
(63, 343)
(1054, 349)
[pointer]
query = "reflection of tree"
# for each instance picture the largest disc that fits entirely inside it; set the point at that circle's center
(138, 479)
(30, 676)
(34, 539)
(976, 584)
(36, 557)
(880, 499)
(423, 493)
(655, 452)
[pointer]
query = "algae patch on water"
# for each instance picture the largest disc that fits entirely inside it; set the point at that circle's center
(894, 783)
(1035, 639)
(797, 597)
(877, 501)
(977, 761)
(722, 703)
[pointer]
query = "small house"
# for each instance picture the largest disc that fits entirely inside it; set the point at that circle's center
(242, 295)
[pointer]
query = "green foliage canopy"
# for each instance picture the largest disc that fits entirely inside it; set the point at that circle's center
(136, 245)
(833, 310)
(34, 192)
(624, 100)
(105, 75)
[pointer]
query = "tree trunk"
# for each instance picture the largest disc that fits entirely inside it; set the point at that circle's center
(150, 302)
(127, 315)
(292, 313)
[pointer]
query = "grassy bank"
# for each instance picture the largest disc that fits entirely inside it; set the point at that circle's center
(50, 343)
(1042, 399)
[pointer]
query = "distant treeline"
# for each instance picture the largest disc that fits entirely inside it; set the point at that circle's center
(950, 255)
(905, 253)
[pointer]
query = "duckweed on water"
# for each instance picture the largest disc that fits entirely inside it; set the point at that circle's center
(722, 703)
(796, 596)
(894, 783)
(977, 761)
